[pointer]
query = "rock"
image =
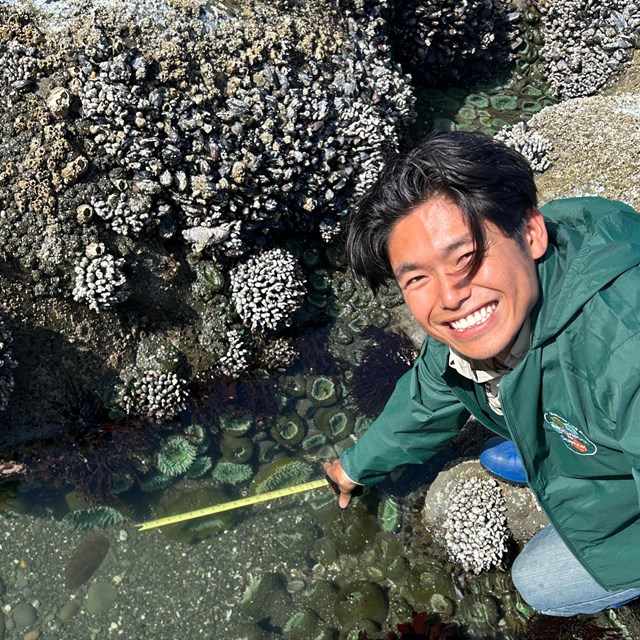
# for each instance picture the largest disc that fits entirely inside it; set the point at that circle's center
(100, 597)
(595, 148)
(524, 516)
(68, 610)
(24, 614)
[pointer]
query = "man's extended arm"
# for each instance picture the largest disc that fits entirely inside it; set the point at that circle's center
(419, 418)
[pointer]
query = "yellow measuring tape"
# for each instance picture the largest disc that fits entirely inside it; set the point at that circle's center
(235, 504)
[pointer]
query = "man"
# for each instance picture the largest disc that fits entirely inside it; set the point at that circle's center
(533, 328)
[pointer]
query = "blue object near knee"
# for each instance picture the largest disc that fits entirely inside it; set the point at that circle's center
(501, 459)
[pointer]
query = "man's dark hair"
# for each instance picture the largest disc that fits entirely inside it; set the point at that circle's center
(489, 181)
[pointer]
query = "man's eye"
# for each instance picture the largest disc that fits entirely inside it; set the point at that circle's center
(413, 280)
(466, 257)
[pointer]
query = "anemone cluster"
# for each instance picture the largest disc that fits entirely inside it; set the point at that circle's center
(266, 289)
(476, 531)
(7, 365)
(586, 42)
(533, 146)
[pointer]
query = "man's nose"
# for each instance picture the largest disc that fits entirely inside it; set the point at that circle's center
(452, 293)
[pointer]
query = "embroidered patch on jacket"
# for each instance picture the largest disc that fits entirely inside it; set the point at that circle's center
(571, 436)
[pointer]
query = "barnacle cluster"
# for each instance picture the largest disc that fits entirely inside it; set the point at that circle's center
(533, 146)
(155, 394)
(476, 531)
(100, 282)
(267, 289)
(586, 42)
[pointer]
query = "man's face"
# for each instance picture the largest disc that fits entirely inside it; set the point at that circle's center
(429, 249)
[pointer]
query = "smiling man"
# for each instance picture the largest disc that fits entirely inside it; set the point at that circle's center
(533, 328)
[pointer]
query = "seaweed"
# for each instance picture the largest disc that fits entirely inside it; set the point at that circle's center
(575, 628)
(423, 625)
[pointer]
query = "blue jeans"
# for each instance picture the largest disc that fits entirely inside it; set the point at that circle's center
(553, 582)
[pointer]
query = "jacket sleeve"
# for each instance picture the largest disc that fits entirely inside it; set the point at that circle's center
(419, 418)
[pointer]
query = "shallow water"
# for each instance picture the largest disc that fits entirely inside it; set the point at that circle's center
(272, 570)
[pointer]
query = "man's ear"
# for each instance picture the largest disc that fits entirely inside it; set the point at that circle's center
(535, 235)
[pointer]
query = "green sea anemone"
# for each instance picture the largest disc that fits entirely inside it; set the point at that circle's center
(427, 580)
(293, 386)
(477, 101)
(197, 435)
(361, 600)
(237, 450)
(322, 390)
(232, 473)
(289, 430)
(283, 473)
(236, 425)
(154, 481)
(199, 467)
(175, 503)
(213, 276)
(314, 441)
(98, 518)
(334, 422)
(320, 280)
(390, 514)
(175, 456)
(302, 625)
(504, 102)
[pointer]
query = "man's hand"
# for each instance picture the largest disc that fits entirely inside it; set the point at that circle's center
(336, 473)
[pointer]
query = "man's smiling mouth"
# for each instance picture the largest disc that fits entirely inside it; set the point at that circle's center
(473, 318)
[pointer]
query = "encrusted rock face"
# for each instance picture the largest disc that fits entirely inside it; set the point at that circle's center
(476, 525)
(267, 289)
(130, 154)
(533, 146)
(586, 42)
(7, 365)
(445, 40)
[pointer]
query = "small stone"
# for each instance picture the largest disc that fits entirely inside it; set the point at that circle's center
(24, 614)
(100, 597)
(68, 610)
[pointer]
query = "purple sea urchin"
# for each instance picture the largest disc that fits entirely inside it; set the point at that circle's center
(383, 362)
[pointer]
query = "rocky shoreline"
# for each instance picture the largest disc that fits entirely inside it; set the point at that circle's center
(162, 192)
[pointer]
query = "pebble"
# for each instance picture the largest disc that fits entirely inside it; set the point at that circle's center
(69, 609)
(24, 614)
(2, 626)
(100, 597)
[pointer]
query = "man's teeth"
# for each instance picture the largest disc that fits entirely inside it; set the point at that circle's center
(474, 318)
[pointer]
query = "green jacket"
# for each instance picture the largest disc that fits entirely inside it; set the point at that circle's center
(572, 405)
